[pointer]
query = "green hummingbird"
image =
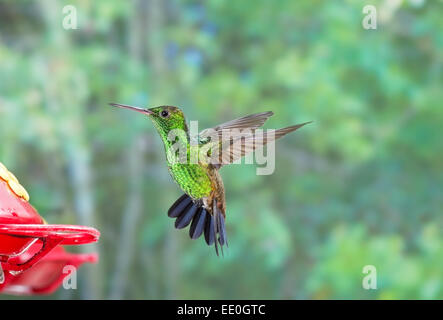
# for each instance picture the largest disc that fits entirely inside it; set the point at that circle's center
(203, 203)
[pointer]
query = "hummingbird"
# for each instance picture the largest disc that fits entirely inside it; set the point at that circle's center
(203, 204)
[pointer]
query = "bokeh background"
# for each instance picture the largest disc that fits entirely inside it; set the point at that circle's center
(360, 186)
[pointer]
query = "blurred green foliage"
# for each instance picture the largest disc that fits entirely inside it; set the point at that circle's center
(360, 186)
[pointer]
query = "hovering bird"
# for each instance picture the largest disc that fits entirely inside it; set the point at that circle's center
(203, 203)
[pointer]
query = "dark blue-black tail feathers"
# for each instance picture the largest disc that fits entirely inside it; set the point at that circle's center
(186, 211)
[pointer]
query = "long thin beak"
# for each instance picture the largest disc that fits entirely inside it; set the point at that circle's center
(141, 110)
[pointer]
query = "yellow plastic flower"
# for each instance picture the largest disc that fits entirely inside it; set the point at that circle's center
(13, 183)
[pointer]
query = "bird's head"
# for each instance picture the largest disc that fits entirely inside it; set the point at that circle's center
(165, 118)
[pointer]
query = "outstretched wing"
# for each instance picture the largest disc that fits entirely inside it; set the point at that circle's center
(252, 121)
(227, 146)
(234, 148)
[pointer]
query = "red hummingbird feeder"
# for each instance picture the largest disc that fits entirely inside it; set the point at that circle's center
(48, 274)
(26, 239)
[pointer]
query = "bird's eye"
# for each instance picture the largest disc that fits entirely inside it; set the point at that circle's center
(164, 113)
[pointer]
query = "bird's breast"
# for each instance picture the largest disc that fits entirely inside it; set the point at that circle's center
(193, 179)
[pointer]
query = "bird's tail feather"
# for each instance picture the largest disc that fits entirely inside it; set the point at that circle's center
(186, 211)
